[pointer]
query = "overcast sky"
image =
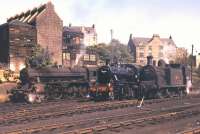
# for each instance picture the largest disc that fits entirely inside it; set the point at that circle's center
(142, 18)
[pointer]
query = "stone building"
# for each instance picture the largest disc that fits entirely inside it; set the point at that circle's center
(181, 55)
(74, 50)
(48, 27)
(159, 48)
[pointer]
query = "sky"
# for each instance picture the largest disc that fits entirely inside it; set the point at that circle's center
(142, 18)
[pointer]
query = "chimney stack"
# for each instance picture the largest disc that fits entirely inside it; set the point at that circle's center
(131, 36)
(149, 60)
(70, 24)
(93, 26)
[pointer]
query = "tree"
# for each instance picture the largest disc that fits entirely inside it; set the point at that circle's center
(120, 52)
(114, 50)
(39, 58)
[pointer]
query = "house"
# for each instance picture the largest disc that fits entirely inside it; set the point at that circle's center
(46, 30)
(89, 34)
(159, 48)
(74, 50)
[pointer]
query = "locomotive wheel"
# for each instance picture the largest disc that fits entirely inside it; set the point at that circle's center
(132, 93)
(83, 91)
(159, 95)
(57, 95)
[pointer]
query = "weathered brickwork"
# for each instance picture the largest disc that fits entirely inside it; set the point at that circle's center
(17, 42)
(49, 33)
(23, 31)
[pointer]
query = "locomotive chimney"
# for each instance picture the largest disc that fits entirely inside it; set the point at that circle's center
(149, 60)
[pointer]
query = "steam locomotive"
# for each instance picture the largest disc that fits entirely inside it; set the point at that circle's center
(53, 83)
(164, 80)
(115, 81)
(132, 81)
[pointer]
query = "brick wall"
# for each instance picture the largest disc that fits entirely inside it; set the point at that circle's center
(49, 33)
(22, 39)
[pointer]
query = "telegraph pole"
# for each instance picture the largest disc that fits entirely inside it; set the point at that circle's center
(192, 61)
(111, 43)
(111, 34)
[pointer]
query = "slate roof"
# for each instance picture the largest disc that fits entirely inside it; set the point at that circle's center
(141, 40)
(19, 23)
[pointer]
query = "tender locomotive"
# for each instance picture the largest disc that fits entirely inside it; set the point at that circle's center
(54, 83)
(116, 82)
(164, 80)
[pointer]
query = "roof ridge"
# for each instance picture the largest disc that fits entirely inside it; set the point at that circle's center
(24, 15)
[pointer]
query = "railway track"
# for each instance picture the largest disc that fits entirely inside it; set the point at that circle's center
(116, 121)
(58, 110)
(191, 131)
(29, 115)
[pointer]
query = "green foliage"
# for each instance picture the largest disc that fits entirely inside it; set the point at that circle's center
(115, 50)
(40, 58)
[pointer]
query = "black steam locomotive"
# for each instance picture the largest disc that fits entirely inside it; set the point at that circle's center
(164, 80)
(132, 81)
(54, 83)
(116, 81)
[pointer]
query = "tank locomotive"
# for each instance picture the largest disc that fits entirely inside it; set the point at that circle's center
(164, 80)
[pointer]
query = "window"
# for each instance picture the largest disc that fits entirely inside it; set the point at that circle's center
(86, 57)
(141, 54)
(66, 56)
(150, 48)
(66, 39)
(77, 40)
(141, 61)
(141, 48)
(92, 57)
